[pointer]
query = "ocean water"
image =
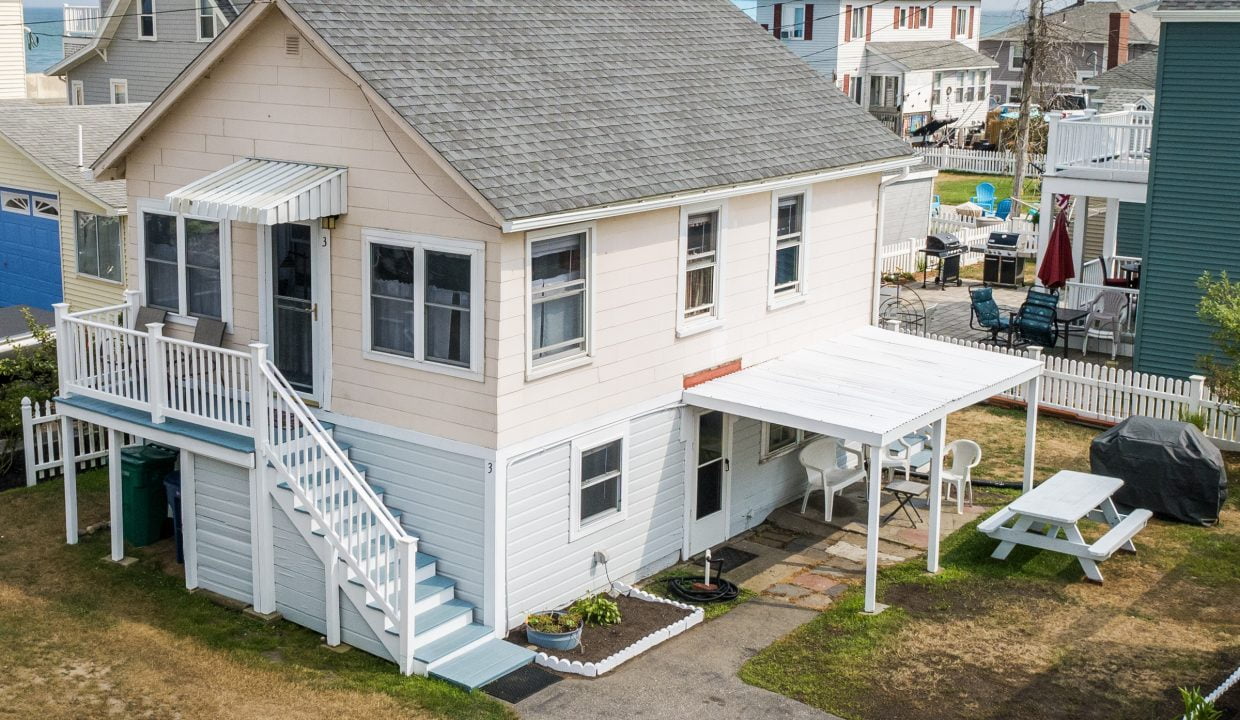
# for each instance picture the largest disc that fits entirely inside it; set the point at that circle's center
(46, 26)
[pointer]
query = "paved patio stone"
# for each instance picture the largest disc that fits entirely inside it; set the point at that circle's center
(814, 602)
(788, 591)
(815, 582)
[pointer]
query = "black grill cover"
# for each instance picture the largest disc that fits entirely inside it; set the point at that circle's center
(1168, 467)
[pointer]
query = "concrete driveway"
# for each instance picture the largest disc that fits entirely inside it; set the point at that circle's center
(690, 674)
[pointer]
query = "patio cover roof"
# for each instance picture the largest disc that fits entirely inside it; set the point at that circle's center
(266, 192)
(871, 386)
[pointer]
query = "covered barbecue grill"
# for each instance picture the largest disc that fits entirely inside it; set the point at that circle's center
(946, 248)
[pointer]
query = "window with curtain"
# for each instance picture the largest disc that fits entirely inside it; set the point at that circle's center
(98, 245)
(962, 21)
(163, 274)
(701, 266)
(447, 308)
(793, 23)
(558, 298)
(789, 235)
(858, 22)
(392, 303)
(183, 264)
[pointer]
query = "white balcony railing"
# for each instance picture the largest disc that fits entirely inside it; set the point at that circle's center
(81, 20)
(1108, 146)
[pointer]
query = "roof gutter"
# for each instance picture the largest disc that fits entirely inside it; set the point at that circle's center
(665, 201)
(1197, 15)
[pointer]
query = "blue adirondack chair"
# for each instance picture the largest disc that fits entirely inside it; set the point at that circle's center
(1003, 209)
(984, 196)
(935, 205)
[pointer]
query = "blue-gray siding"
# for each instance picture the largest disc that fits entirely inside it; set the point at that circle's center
(222, 511)
(759, 487)
(545, 570)
(1193, 184)
(441, 494)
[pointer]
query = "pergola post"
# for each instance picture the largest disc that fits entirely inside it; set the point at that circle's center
(1033, 394)
(871, 529)
(68, 456)
(938, 440)
(116, 514)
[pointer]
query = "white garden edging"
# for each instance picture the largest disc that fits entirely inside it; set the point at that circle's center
(592, 669)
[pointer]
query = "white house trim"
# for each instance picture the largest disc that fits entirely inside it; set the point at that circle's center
(152, 205)
(1197, 15)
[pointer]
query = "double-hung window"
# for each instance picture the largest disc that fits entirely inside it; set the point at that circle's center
(780, 439)
(600, 464)
(1017, 62)
(119, 92)
(98, 245)
(858, 22)
(146, 19)
(183, 264)
(793, 23)
(700, 258)
(210, 20)
(559, 297)
(923, 17)
(423, 302)
(788, 246)
(962, 22)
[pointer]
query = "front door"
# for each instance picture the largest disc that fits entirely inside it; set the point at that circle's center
(297, 253)
(709, 486)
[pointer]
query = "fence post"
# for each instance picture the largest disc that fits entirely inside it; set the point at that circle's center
(133, 300)
(157, 372)
(408, 551)
(1196, 393)
(28, 440)
(260, 395)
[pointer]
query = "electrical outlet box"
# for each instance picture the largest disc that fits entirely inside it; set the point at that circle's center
(600, 557)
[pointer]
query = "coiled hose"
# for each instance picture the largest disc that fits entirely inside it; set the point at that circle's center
(682, 587)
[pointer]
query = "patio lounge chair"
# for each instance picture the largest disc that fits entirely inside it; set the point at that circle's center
(1036, 322)
(985, 314)
(824, 469)
(984, 196)
(966, 454)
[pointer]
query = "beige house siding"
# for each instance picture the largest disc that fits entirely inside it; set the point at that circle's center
(80, 291)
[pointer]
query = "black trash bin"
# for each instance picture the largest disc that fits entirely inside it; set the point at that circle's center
(172, 488)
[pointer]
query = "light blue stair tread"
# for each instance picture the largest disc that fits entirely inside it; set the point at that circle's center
(424, 589)
(428, 620)
(484, 663)
(451, 642)
(232, 441)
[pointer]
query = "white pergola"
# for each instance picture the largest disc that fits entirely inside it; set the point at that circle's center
(874, 386)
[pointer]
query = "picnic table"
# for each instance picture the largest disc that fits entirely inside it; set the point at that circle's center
(1055, 507)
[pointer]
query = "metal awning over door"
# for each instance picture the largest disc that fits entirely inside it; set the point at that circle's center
(265, 192)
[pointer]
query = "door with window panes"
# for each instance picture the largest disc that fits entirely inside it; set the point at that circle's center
(299, 270)
(710, 483)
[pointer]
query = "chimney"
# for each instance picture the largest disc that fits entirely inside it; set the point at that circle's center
(1117, 39)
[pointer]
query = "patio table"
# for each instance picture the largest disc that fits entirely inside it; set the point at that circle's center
(1055, 507)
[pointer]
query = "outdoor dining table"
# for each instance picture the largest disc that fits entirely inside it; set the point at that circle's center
(1055, 507)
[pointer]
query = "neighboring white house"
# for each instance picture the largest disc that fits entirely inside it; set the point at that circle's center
(909, 65)
(12, 50)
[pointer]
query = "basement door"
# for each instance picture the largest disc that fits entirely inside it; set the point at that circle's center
(297, 319)
(710, 483)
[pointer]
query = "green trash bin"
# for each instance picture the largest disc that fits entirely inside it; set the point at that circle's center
(143, 502)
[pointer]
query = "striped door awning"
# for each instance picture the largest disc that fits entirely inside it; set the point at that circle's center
(265, 192)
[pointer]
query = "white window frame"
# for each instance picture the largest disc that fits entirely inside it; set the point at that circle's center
(181, 316)
(1015, 65)
(783, 299)
(857, 30)
(220, 22)
(581, 445)
(120, 240)
(420, 244)
(904, 18)
(154, 23)
(765, 453)
(532, 371)
(792, 30)
(113, 83)
(961, 22)
(6, 196)
(686, 326)
(77, 93)
(51, 202)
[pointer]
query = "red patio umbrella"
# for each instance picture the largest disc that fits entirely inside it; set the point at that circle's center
(1057, 266)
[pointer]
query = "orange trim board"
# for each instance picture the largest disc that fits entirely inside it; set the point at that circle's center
(709, 374)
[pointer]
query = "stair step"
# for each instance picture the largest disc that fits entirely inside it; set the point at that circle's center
(451, 642)
(483, 664)
(426, 588)
(427, 620)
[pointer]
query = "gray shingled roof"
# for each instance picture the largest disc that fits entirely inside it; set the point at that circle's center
(49, 134)
(1139, 73)
(931, 55)
(1199, 5)
(556, 105)
(1115, 99)
(1089, 22)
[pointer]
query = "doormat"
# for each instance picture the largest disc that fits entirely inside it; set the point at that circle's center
(521, 683)
(731, 557)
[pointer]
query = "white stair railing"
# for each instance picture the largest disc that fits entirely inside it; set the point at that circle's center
(380, 555)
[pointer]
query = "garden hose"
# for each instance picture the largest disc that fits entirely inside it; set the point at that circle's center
(682, 587)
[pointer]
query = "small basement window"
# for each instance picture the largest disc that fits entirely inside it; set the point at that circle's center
(600, 464)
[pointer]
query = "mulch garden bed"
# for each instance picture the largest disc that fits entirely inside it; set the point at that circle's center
(638, 618)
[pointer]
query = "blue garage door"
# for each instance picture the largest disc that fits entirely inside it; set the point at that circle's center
(29, 249)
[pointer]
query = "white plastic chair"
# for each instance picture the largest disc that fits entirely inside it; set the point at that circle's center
(1107, 310)
(898, 455)
(966, 454)
(824, 469)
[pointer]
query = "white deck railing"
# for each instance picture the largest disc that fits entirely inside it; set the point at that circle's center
(81, 20)
(991, 162)
(42, 447)
(1113, 146)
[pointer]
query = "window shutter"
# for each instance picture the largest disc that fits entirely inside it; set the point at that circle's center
(847, 23)
(869, 22)
(912, 17)
(895, 24)
(846, 85)
(952, 21)
(778, 22)
(809, 21)
(971, 9)
(930, 17)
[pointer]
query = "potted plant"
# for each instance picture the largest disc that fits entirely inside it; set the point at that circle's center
(554, 630)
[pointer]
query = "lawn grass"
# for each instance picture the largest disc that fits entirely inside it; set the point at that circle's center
(658, 585)
(955, 188)
(86, 638)
(1025, 637)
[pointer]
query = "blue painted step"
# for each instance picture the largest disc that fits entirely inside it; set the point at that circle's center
(450, 643)
(485, 663)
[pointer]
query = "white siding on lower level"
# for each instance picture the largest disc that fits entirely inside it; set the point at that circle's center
(759, 487)
(222, 508)
(544, 569)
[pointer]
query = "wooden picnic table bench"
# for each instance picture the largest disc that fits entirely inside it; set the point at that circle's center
(1056, 506)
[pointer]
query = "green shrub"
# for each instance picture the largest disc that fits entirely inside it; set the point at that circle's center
(28, 371)
(597, 610)
(1196, 707)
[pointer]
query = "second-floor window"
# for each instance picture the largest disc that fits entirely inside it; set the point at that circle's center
(858, 22)
(146, 19)
(962, 22)
(1018, 56)
(98, 245)
(923, 17)
(902, 17)
(183, 259)
(700, 257)
(793, 23)
(788, 246)
(559, 298)
(120, 91)
(210, 20)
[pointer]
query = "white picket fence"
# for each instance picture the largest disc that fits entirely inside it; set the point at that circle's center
(989, 162)
(1108, 394)
(903, 255)
(42, 447)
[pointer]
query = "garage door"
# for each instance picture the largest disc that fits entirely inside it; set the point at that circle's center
(29, 249)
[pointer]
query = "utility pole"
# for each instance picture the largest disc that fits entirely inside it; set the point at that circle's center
(1035, 30)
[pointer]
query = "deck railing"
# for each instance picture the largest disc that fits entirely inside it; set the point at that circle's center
(81, 20)
(1108, 145)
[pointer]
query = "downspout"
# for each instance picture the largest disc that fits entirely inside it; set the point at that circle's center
(878, 241)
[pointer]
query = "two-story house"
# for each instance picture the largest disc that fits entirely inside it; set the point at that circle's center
(909, 65)
(1092, 36)
(507, 293)
(136, 47)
